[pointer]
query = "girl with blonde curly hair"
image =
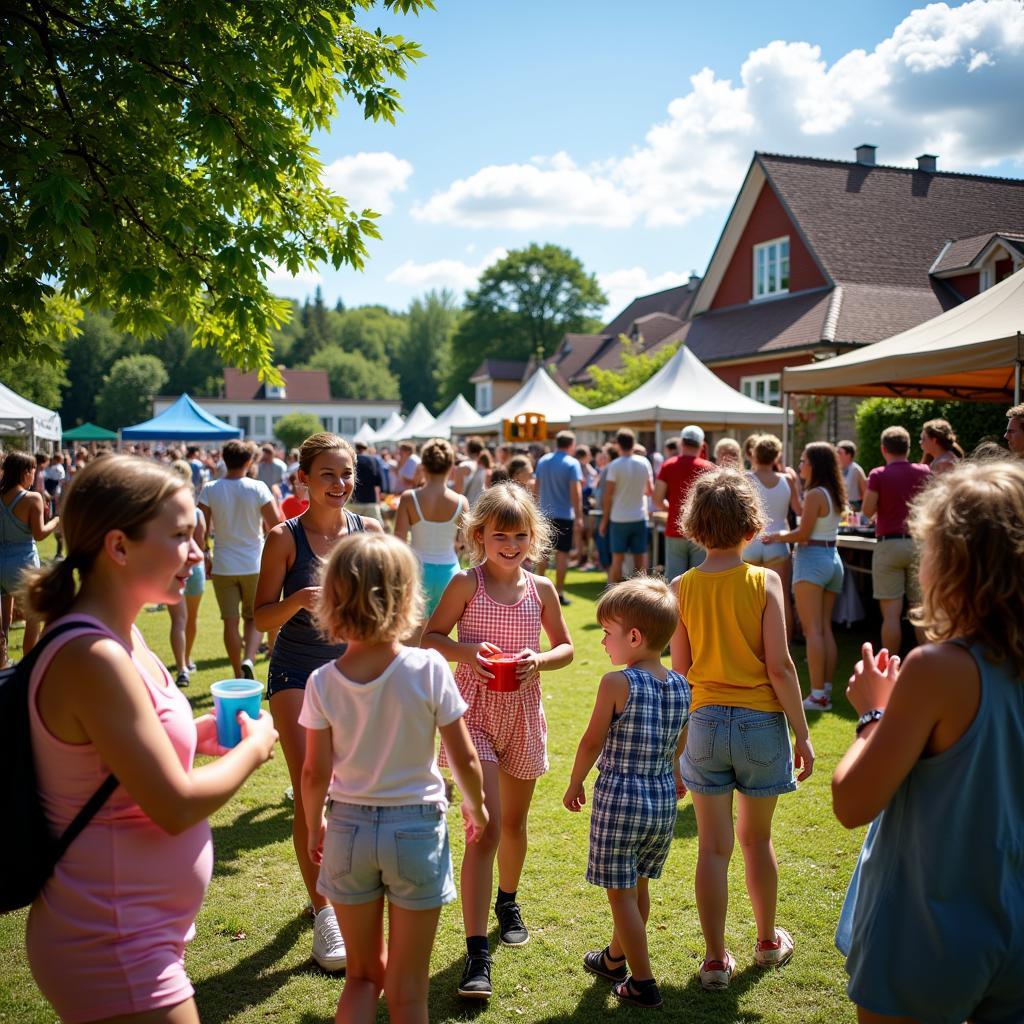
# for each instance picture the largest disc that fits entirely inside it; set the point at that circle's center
(931, 924)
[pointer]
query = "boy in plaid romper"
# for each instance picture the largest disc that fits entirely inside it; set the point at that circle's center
(637, 730)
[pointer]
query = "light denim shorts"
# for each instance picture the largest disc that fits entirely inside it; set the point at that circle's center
(737, 748)
(400, 852)
(14, 560)
(820, 566)
(759, 553)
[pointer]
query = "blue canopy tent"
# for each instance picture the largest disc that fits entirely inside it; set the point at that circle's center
(183, 421)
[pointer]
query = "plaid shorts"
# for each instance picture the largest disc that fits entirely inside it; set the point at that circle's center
(507, 729)
(631, 828)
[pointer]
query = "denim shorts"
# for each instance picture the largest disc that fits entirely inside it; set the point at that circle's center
(196, 583)
(400, 852)
(759, 553)
(14, 560)
(737, 748)
(628, 538)
(820, 566)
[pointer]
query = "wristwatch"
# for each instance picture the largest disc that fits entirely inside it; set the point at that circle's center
(867, 718)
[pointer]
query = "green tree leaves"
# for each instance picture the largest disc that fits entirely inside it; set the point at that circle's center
(157, 159)
(127, 393)
(353, 376)
(294, 427)
(608, 385)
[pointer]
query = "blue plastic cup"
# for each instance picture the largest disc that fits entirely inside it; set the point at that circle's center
(229, 697)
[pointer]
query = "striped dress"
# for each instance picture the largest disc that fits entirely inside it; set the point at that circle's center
(634, 811)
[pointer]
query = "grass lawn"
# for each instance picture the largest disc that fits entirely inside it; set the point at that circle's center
(250, 958)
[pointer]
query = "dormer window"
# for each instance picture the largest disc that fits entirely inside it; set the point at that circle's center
(771, 268)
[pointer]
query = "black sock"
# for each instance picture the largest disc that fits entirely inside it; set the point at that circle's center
(476, 945)
(505, 897)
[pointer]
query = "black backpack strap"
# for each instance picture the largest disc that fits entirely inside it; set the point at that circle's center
(84, 816)
(109, 784)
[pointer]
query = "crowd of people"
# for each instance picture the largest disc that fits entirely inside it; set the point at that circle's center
(358, 615)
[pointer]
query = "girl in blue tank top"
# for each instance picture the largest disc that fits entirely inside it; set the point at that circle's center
(933, 924)
(288, 587)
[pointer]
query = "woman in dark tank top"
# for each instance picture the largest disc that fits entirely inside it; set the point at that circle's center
(287, 591)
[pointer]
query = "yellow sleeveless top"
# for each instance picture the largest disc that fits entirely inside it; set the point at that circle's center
(723, 613)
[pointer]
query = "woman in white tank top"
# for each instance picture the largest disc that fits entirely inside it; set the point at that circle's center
(817, 567)
(430, 517)
(776, 495)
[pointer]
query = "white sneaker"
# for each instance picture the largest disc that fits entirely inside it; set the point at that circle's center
(777, 953)
(821, 703)
(248, 669)
(328, 945)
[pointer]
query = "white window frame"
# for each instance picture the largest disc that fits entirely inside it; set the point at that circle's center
(259, 426)
(346, 425)
(760, 387)
(484, 397)
(986, 276)
(762, 269)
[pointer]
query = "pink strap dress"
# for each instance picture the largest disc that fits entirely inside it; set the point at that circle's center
(107, 934)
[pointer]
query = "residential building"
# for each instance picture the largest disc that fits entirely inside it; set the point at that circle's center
(255, 407)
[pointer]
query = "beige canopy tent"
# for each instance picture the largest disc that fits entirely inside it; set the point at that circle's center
(683, 391)
(973, 352)
(459, 411)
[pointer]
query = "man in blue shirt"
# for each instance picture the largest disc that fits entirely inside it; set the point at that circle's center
(560, 495)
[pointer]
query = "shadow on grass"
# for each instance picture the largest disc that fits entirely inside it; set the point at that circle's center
(251, 981)
(251, 829)
(689, 1002)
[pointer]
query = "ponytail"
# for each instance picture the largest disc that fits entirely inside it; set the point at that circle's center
(49, 592)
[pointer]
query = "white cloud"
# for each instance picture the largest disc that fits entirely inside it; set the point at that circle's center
(542, 193)
(368, 179)
(624, 285)
(297, 286)
(445, 273)
(947, 81)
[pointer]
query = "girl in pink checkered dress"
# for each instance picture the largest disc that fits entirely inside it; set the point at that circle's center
(500, 608)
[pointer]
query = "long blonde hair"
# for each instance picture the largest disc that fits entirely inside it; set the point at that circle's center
(507, 506)
(969, 524)
(117, 492)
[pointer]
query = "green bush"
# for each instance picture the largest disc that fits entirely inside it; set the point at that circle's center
(292, 429)
(973, 422)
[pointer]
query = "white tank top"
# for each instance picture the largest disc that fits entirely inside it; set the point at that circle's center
(775, 501)
(827, 527)
(434, 543)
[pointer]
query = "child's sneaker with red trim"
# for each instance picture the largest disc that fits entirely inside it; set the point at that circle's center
(715, 975)
(817, 701)
(774, 954)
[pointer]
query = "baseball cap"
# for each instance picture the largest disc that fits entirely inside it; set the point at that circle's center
(692, 434)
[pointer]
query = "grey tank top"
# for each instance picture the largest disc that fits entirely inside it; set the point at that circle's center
(302, 638)
(12, 529)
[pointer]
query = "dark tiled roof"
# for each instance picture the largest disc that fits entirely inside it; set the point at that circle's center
(885, 225)
(300, 385)
(576, 352)
(500, 369)
(868, 313)
(674, 301)
(962, 252)
(654, 328)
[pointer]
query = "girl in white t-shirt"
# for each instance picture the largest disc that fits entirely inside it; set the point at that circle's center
(371, 721)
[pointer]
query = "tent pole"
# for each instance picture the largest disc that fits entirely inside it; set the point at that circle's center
(787, 456)
(657, 432)
(1017, 367)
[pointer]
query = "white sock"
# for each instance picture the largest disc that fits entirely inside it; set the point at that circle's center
(828, 689)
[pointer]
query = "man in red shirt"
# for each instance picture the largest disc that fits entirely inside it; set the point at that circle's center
(890, 490)
(675, 478)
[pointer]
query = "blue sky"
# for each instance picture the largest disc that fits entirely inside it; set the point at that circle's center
(622, 131)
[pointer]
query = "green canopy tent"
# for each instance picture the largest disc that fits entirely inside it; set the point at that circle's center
(90, 432)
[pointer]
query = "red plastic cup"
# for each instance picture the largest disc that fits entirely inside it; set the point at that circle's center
(504, 668)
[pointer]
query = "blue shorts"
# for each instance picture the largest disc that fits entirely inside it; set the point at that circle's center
(14, 560)
(821, 566)
(436, 577)
(759, 553)
(400, 852)
(737, 748)
(628, 538)
(196, 583)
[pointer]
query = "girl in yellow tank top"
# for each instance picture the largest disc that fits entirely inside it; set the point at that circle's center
(731, 646)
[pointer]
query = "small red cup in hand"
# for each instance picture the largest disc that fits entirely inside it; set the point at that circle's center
(504, 668)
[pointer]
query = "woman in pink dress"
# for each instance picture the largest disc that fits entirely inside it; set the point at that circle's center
(106, 935)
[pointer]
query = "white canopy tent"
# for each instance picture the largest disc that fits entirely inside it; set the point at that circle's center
(419, 424)
(459, 411)
(20, 416)
(364, 435)
(974, 351)
(683, 391)
(540, 394)
(388, 428)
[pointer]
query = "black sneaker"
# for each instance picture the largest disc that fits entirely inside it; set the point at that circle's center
(564, 601)
(511, 929)
(476, 977)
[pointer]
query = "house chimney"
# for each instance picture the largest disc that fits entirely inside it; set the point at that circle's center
(694, 280)
(926, 162)
(866, 154)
